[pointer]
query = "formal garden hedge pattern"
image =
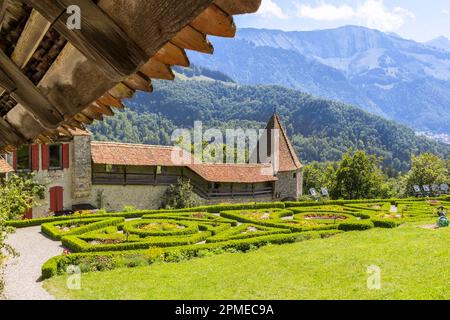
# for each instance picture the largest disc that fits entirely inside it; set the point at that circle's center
(104, 241)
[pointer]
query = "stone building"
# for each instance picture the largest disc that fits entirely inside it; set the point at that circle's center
(81, 174)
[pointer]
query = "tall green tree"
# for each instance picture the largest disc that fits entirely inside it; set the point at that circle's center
(319, 174)
(358, 176)
(427, 169)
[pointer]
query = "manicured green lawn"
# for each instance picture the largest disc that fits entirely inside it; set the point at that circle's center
(414, 262)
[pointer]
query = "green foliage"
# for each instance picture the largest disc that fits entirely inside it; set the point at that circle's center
(17, 194)
(174, 235)
(180, 195)
(57, 230)
(356, 225)
(427, 169)
(57, 265)
(321, 130)
(319, 175)
(159, 228)
(385, 223)
(333, 268)
(358, 176)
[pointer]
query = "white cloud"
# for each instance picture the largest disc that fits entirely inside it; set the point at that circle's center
(371, 13)
(375, 15)
(269, 9)
(326, 12)
(445, 11)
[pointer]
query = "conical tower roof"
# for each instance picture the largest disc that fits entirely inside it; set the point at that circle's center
(288, 160)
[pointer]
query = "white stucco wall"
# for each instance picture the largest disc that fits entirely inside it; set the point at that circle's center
(53, 178)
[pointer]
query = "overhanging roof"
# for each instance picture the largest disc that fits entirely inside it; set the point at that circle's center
(55, 79)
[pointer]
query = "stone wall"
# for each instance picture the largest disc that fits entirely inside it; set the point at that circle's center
(81, 167)
(289, 184)
(115, 197)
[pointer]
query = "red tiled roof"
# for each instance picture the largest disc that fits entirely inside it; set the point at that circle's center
(131, 154)
(241, 173)
(148, 155)
(4, 166)
(288, 160)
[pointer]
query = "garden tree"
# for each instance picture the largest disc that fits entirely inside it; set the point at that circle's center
(317, 175)
(358, 176)
(16, 196)
(426, 169)
(180, 195)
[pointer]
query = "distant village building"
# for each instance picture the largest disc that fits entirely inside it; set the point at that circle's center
(80, 173)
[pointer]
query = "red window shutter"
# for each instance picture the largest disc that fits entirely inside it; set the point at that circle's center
(45, 156)
(35, 157)
(65, 156)
(15, 160)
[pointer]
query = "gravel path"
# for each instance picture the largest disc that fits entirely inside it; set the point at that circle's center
(22, 273)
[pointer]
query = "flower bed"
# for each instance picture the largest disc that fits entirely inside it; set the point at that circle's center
(105, 241)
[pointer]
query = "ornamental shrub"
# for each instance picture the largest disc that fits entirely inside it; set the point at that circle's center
(356, 225)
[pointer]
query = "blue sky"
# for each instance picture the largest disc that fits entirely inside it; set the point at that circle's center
(420, 20)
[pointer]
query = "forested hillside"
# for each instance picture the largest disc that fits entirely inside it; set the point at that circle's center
(321, 130)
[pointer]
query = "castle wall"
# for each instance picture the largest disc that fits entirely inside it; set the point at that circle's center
(81, 167)
(289, 184)
(115, 197)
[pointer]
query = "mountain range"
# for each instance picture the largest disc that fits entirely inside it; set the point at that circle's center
(321, 130)
(382, 73)
(440, 43)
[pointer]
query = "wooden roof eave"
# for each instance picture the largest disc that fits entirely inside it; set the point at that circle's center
(161, 46)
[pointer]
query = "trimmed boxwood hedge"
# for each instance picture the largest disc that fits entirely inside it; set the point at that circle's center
(57, 265)
(81, 243)
(55, 233)
(301, 217)
(236, 215)
(236, 233)
(132, 227)
(356, 225)
(139, 213)
(188, 217)
(386, 223)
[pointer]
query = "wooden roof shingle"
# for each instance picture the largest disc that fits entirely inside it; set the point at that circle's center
(55, 79)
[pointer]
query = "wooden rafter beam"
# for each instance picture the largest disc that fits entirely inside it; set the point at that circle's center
(24, 92)
(160, 29)
(35, 30)
(151, 24)
(239, 6)
(99, 38)
(216, 22)
(8, 134)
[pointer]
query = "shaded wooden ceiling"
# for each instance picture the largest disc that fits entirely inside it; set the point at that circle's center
(54, 80)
